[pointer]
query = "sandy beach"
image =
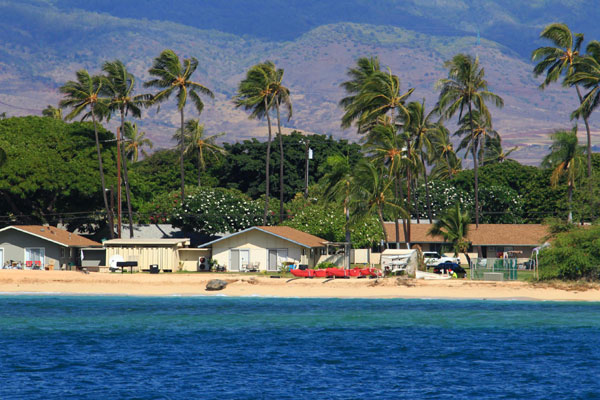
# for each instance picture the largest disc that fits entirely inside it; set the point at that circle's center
(68, 282)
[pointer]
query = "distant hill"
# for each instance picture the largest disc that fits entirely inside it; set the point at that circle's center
(43, 43)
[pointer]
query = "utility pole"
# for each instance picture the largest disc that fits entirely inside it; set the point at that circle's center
(307, 157)
(119, 182)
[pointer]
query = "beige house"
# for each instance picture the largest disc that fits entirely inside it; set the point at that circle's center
(169, 254)
(266, 248)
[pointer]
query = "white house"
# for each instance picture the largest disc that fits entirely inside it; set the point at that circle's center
(266, 248)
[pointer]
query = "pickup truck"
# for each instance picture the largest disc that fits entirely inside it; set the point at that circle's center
(433, 259)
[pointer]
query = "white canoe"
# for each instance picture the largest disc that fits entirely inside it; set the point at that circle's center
(429, 275)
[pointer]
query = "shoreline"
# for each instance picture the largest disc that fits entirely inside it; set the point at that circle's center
(65, 283)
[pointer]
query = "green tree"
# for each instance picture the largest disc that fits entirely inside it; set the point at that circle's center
(84, 96)
(135, 141)
(52, 112)
(255, 94)
(477, 139)
(566, 159)
(365, 67)
(453, 227)
(58, 182)
(371, 195)
(281, 97)
(196, 143)
(118, 86)
(173, 75)
(559, 61)
(466, 87)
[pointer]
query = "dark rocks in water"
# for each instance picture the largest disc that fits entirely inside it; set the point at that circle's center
(216, 284)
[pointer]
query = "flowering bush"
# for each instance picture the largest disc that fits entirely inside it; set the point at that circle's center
(500, 205)
(443, 195)
(216, 210)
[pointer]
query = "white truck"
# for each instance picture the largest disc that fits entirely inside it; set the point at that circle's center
(433, 259)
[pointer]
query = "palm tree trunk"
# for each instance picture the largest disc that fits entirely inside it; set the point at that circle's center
(382, 223)
(348, 245)
(109, 214)
(589, 154)
(417, 209)
(408, 207)
(267, 168)
(181, 165)
(280, 163)
(475, 166)
(396, 221)
(570, 195)
(427, 198)
(199, 166)
(126, 179)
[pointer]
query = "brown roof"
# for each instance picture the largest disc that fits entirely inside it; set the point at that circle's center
(294, 235)
(56, 235)
(485, 235)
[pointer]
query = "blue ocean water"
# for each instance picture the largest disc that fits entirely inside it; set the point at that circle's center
(93, 347)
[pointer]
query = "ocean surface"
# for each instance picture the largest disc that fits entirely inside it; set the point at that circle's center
(107, 347)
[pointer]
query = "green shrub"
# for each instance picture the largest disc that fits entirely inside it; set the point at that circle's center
(573, 255)
(325, 265)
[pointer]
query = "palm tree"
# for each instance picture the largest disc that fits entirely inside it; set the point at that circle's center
(173, 75)
(135, 141)
(494, 153)
(199, 144)
(421, 131)
(386, 147)
(566, 160)
(379, 95)
(255, 94)
(52, 112)
(338, 180)
(466, 87)
(365, 67)
(475, 140)
(446, 167)
(281, 97)
(84, 96)
(560, 61)
(118, 85)
(453, 227)
(371, 194)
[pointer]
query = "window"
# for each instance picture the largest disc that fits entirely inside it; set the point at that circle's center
(35, 255)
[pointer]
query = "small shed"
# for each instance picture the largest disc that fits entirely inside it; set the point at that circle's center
(166, 253)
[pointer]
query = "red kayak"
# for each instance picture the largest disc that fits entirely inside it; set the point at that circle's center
(354, 272)
(303, 273)
(369, 272)
(320, 273)
(336, 273)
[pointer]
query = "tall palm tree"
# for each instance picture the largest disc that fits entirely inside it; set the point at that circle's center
(365, 67)
(566, 159)
(119, 85)
(453, 227)
(281, 97)
(338, 181)
(475, 140)
(371, 194)
(559, 61)
(135, 141)
(379, 95)
(198, 144)
(387, 147)
(255, 94)
(175, 76)
(422, 129)
(52, 112)
(466, 88)
(84, 96)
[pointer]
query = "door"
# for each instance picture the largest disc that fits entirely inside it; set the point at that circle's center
(238, 259)
(35, 256)
(234, 260)
(276, 258)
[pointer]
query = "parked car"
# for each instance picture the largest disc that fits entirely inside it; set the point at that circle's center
(433, 259)
(448, 266)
